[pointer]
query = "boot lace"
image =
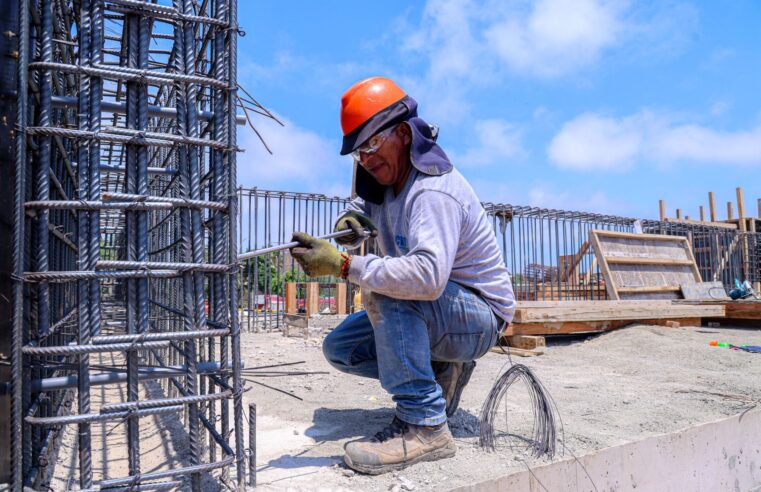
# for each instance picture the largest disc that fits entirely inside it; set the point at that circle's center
(395, 428)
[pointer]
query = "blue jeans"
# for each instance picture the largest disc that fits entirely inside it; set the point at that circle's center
(395, 341)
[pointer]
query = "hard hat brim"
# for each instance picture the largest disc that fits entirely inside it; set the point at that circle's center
(385, 118)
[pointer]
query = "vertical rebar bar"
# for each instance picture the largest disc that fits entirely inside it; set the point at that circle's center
(252, 444)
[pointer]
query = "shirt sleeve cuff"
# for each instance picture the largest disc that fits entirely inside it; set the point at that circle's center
(357, 268)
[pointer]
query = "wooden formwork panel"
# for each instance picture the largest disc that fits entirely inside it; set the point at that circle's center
(644, 266)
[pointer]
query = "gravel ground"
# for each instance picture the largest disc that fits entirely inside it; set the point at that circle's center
(610, 389)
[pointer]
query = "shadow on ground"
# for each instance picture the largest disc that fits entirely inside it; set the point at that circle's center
(330, 425)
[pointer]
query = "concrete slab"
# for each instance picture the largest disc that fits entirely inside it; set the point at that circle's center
(721, 455)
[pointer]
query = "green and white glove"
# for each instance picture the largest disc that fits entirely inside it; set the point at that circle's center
(317, 256)
(359, 224)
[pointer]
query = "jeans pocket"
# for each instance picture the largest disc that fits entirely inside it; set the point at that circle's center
(458, 347)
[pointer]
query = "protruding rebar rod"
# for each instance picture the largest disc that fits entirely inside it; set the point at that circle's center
(252, 444)
(232, 183)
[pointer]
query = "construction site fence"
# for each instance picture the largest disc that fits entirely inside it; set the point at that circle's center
(545, 250)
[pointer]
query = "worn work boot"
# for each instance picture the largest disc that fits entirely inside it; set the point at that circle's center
(398, 446)
(452, 377)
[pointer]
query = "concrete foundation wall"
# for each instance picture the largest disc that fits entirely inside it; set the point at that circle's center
(723, 455)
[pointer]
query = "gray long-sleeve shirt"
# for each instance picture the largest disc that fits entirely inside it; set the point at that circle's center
(434, 231)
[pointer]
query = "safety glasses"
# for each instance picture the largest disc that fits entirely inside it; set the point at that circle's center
(373, 143)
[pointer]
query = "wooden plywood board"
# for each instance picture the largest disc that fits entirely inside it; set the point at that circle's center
(744, 310)
(704, 290)
(586, 311)
(567, 327)
(516, 351)
(644, 266)
(740, 310)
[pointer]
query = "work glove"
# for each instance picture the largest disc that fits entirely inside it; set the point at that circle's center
(357, 223)
(317, 256)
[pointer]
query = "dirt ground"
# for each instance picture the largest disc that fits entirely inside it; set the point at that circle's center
(618, 387)
(610, 389)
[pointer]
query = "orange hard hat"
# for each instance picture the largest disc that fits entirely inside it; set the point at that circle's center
(370, 106)
(365, 99)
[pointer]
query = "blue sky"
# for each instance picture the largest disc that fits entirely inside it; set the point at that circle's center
(592, 105)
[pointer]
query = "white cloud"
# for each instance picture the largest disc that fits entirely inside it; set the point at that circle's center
(301, 159)
(556, 36)
(495, 141)
(698, 143)
(476, 41)
(594, 141)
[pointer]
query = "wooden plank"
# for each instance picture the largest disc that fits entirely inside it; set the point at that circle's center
(712, 206)
(528, 342)
(312, 301)
(743, 310)
(704, 290)
(682, 323)
(691, 256)
(569, 327)
(741, 208)
(610, 286)
(662, 209)
(702, 214)
(723, 225)
(341, 304)
(587, 311)
(515, 351)
(644, 237)
(623, 260)
(570, 270)
(730, 215)
(652, 288)
(599, 304)
(290, 298)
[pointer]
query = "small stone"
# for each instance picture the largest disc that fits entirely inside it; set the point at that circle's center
(406, 484)
(395, 488)
(347, 472)
(295, 432)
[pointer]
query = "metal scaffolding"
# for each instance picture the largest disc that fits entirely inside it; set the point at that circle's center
(125, 239)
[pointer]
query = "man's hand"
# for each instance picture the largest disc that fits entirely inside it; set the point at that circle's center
(357, 223)
(316, 256)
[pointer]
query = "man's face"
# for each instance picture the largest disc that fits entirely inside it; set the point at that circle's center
(390, 163)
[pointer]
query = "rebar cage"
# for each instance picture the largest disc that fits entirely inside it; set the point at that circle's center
(125, 284)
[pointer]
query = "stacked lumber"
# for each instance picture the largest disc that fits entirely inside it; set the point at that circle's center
(741, 310)
(562, 317)
(520, 345)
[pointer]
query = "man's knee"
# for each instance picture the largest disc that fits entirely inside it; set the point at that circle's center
(331, 352)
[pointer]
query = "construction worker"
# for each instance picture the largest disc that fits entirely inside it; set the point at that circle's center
(437, 296)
